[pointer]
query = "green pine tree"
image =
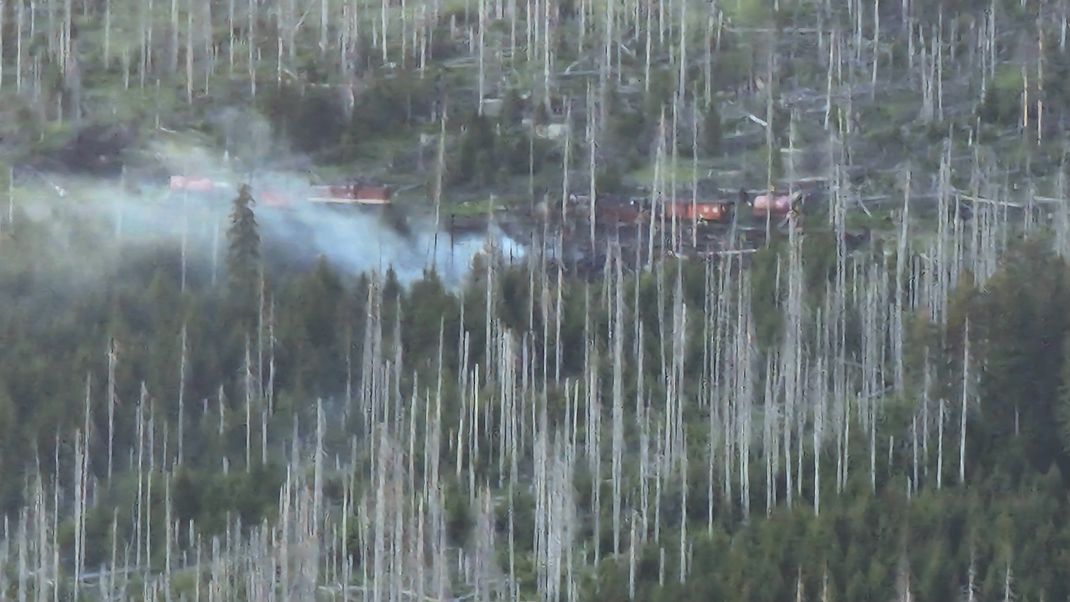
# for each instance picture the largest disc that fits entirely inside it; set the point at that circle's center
(711, 142)
(243, 257)
(1062, 409)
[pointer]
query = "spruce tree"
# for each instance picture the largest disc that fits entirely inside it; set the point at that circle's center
(243, 256)
(1062, 408)
(712, 128)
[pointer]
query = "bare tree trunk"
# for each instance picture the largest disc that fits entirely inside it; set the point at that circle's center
(965, 385)
(1040, 83)
(694, 169)
(480, 91)
(565, 167)
(769, 140)
(617, 336)
(940, 446)
(384, 20)
(324, 19)
(139, 514)
(231, 38)
(546, 54)
(172, 57)
(10, 198)
(111, 404)
(181, 395)
(189, 51)
(143, 46)
(3, 11)
(251, 36)
(876, 47)
(248, 372)
(317, 487)
(79, 504)
(592, 147)
(646, 63)
(20, 20)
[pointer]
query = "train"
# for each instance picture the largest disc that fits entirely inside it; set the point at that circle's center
(620, 210)
(359, 193)
(610, 210)
(773, 204)
(703, 212)
(196, 184)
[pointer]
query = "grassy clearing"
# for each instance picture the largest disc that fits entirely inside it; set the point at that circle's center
(477, 207)
(684, 171)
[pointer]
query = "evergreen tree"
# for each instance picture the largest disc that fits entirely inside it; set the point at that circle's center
(1023, 325)
(243, 257)
(711, 142)
(512, 108)
(1062, 410)
(477, 158)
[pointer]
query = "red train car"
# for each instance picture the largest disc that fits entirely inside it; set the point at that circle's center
(775, 205)
(700, 211)
(357, 194)
(335, 194)
(637, 211)
(274, 199)
(195, 184)
(613, 210)
(622, 214)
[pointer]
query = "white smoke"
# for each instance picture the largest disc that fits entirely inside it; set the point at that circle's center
(138, 212)
(355, 242)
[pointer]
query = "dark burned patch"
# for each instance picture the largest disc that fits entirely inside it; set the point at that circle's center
(95, 150)
(397, 219)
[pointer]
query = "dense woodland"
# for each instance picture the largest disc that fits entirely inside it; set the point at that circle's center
(801, 422)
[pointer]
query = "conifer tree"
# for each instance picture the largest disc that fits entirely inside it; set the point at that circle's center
(712, 129)
(1062, 410)
(243, 256)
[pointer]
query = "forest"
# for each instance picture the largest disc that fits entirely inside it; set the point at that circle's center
(215, 403)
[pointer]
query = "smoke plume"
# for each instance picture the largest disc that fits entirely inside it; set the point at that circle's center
(139, 211)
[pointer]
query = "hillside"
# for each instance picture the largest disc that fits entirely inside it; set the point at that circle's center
(537, 370)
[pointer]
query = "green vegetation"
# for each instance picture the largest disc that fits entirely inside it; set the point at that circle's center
(863, 544)
(822, 415)
(243, 256)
